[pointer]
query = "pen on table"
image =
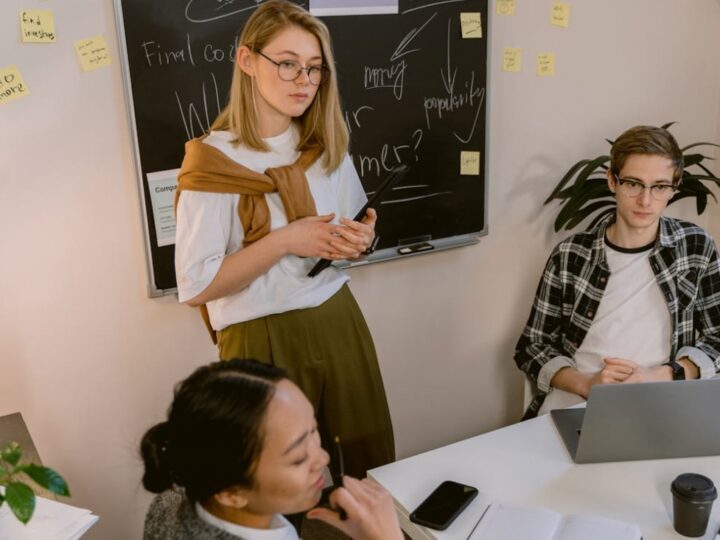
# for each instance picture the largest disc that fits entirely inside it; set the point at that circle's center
(340, 472)
(477, 522)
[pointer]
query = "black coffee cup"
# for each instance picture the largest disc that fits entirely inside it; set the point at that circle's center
(693, 496)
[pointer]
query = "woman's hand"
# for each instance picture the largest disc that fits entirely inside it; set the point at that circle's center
(311, 237)
(355, 237)
(370, 511)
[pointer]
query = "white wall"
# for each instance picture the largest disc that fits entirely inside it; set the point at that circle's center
(90, 360)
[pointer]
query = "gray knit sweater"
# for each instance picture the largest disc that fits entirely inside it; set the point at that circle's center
(172, 517)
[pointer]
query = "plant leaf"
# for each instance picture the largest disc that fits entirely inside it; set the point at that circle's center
(592, 189)
(565, 179)
(21, 500)
(11, 453)
(692, 159)
(704, 168)
(701, 203)
(590, 168)
(689, 177)
(689, 146)
(693, 185)
(47, 478)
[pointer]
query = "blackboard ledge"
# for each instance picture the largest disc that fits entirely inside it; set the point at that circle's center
(441, 244)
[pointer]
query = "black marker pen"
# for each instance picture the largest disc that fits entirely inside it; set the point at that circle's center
(338, 479)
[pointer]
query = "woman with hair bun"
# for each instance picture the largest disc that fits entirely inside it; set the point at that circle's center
(239, 448)
(260, 198)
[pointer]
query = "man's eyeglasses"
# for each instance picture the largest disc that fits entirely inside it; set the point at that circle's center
(634, 188)
(289, 70)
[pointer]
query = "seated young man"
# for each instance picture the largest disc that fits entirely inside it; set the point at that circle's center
(636, 299)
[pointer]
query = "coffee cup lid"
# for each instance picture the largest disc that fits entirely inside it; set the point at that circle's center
(694, 487)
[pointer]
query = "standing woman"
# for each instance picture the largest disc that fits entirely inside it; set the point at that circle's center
(259, 199)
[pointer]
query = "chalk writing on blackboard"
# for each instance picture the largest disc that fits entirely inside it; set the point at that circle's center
(204, 11)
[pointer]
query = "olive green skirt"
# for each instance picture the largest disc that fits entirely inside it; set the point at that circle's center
(329, 353)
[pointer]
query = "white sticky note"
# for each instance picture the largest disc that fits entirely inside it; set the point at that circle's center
(471, 25)
(469, 163)
(92, 53)
(505, 7)
(12, 85)
(37, 26)
(546, 65)
(560, 14)
(512, 59)
(162, 186)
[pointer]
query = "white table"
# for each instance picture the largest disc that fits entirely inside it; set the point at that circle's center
(527, 464)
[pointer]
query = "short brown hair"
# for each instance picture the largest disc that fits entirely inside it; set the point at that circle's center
(647, 140)
(322, 123)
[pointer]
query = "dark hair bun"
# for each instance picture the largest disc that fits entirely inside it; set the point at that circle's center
(154, 451)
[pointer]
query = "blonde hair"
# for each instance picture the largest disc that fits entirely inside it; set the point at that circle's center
(322, 123)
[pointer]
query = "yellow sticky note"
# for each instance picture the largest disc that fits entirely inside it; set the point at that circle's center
(471, 25)
(505, 7)
(37, 26)
(546, 65)
(470, 163)
(512, 59)
(560, 14)
(92, 53)
(12, 85)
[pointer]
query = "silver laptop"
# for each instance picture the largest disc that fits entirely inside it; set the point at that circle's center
(626, 422)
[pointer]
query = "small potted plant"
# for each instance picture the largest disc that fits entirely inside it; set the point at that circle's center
(583, 191)
(18, 495)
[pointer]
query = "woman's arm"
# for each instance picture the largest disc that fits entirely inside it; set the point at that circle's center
(307, 237)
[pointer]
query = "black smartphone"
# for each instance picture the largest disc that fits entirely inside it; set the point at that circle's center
(443, 505)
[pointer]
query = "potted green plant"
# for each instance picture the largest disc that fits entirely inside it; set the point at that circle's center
(583, 191)
(18, 495)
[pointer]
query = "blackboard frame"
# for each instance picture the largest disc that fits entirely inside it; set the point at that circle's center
(385, 253)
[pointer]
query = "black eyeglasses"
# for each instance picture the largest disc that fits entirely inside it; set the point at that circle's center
(634, 188)
(289, 70)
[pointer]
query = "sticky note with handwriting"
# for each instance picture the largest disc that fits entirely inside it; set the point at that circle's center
(471, 25)
(37, 26)
(12, 85)
(546, 64)
(469, 163)
(92, 53)
(505, 7)
(512, 59)
(560, 14)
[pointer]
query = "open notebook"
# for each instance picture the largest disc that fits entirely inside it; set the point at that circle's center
(506, 521)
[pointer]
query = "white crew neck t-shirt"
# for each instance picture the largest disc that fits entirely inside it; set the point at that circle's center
(209, 228)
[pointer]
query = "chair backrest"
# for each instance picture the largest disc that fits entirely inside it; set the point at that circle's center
(13, 428)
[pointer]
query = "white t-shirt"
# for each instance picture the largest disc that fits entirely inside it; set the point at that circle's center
(280, 528)
(632, 321)
(209, 228)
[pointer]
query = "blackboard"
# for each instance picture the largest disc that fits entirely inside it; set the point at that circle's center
(412, 91)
